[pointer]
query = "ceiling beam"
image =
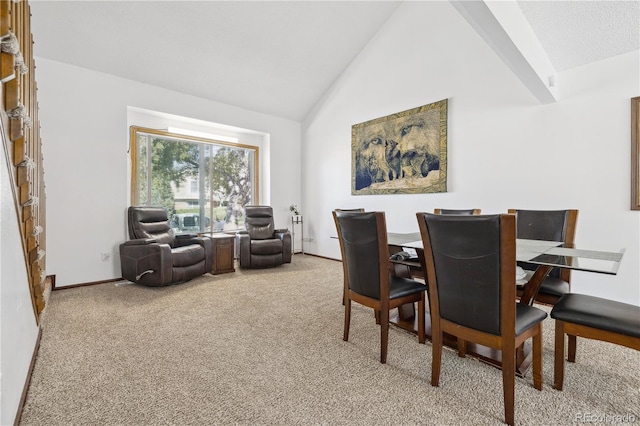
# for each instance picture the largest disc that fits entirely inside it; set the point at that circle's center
(505, 29)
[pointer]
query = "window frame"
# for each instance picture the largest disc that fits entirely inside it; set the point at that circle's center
(133, 151)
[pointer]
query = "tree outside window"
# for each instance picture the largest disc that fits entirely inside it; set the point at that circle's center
(167, 168)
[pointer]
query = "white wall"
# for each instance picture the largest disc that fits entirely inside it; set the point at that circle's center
(83, 116)
(18, 328)
(505, 150)
(161, 121)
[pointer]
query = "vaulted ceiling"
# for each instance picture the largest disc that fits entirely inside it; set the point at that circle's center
(279, 57)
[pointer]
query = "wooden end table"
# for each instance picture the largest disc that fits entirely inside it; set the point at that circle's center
(224, 253)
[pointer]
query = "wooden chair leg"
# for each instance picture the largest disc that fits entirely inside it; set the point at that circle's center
(462, 347)
(571, 350)
(558, 357)
(436, 357)
(377, 313)
(509, 382)
(537, 358)
(384, 335)
(347, 319)
(422, 335)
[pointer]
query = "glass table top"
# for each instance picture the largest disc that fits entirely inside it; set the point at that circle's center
(604, 262)
(541, 253)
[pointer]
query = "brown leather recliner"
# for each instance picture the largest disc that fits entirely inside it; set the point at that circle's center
(155, 256)
(261, 245)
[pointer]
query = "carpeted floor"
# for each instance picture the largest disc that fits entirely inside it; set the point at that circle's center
(264, 347)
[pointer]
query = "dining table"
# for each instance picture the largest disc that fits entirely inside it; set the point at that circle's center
(544, 255)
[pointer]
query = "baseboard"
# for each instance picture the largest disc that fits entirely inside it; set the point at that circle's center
(54, 288)
(321, 257)
(23, 397)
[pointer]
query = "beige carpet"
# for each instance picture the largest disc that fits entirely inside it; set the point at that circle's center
(265, 348)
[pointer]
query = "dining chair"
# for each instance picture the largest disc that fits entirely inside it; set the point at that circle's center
(592, 317)
(354, 210)
(367, 279)
(548, 225)
(461, 343)
(457, 211)
(470, 263)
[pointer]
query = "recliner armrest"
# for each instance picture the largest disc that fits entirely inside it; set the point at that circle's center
(243, 245)
(285, 236)
(140, 242)
(146, 255)
(182, 236)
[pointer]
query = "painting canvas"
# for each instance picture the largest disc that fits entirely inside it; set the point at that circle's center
(402, 153)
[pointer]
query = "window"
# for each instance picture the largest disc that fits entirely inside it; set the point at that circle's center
(204, 184)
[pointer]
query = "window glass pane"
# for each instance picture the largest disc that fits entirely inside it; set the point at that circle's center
(203, 185)
(142, 187)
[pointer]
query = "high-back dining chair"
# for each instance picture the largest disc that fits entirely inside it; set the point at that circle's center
(365, 262)
(470, 263)
(464, 212)
(354, 210)
(548, 225)
(592, 317)
(457, 211)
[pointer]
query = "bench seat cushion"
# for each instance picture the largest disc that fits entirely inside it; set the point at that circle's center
(599, 313)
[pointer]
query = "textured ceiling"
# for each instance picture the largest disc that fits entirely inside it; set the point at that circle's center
(277, 57)
(575, 33)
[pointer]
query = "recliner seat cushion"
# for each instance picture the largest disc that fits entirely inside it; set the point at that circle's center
(264, 247)
(187, 255)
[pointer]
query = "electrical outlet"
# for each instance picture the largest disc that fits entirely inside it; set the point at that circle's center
(105, 256)
(307, 240)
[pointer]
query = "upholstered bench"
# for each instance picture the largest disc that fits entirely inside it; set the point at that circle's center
(593, 318)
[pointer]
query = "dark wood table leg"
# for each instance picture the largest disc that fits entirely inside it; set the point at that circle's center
(532, 287)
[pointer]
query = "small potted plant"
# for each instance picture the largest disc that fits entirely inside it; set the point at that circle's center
(296, 216)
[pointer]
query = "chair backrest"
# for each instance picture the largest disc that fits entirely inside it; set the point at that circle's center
(470, 263)
(548, 225)
(150, 222)
(358, 210)
(456, 211)
(258, 222)
(365, 254)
